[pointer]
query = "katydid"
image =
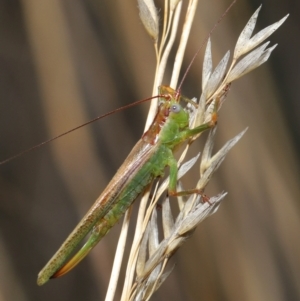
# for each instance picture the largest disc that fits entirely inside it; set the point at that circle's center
(147, 161)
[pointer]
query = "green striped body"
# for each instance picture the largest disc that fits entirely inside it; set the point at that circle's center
(146, 161)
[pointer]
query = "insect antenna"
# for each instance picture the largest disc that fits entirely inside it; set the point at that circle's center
(202, 45)
(76, 128)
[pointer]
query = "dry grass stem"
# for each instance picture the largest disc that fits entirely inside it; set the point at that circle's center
(150, 253)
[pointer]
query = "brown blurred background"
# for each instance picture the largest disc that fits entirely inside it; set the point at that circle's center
(65, 62)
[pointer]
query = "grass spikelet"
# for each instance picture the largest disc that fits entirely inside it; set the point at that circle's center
(149, 17)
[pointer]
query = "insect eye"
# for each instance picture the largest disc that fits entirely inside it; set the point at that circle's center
(175, 108)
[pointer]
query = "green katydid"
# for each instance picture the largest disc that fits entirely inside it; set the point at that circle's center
(154, 151)
(147, 161)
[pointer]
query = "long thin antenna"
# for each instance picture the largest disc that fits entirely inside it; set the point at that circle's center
(76, 128)
(127, 106)
(203, 43)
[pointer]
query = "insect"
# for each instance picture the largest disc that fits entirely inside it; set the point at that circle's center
(147, 161)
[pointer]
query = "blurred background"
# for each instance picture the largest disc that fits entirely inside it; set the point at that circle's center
(65, 62)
